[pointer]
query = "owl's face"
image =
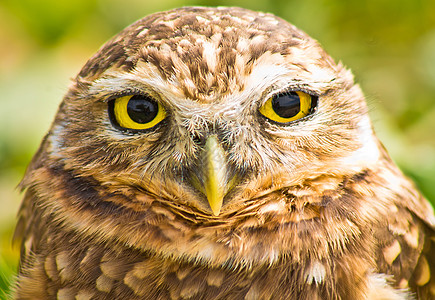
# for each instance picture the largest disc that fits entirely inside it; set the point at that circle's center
(211, 116)
(200, 94)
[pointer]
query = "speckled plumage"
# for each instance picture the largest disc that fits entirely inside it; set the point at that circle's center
(319, 210)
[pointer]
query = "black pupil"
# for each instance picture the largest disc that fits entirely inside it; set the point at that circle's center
(142, 109)
(286, 105)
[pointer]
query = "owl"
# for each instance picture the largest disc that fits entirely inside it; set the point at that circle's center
(219, 153)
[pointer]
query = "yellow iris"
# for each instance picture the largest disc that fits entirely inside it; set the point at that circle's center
(284, 108)
(138, 112)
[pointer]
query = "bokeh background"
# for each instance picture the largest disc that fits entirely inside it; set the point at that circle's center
(389, 45)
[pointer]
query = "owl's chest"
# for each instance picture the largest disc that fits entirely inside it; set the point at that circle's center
(270, 262)
(87, 270)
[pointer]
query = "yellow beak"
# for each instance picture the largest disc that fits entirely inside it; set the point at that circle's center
(214, 181)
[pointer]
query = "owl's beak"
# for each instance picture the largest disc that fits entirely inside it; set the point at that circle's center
(212, 179)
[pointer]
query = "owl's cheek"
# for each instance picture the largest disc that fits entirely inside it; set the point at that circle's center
(369, 152)
(55, 141)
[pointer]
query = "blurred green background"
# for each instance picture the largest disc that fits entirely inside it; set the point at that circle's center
(389, 45)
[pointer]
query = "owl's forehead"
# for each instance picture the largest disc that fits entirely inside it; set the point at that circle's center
(204, 52)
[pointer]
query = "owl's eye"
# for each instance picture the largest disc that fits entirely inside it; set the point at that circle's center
(137, 112)
(287, 107)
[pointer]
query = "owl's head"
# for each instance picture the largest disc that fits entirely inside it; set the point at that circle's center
(210, 110)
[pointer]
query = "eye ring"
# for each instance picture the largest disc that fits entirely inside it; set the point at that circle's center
(136, 112)
(289, 106)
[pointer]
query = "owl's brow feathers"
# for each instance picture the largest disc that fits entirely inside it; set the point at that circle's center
(209, 52)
